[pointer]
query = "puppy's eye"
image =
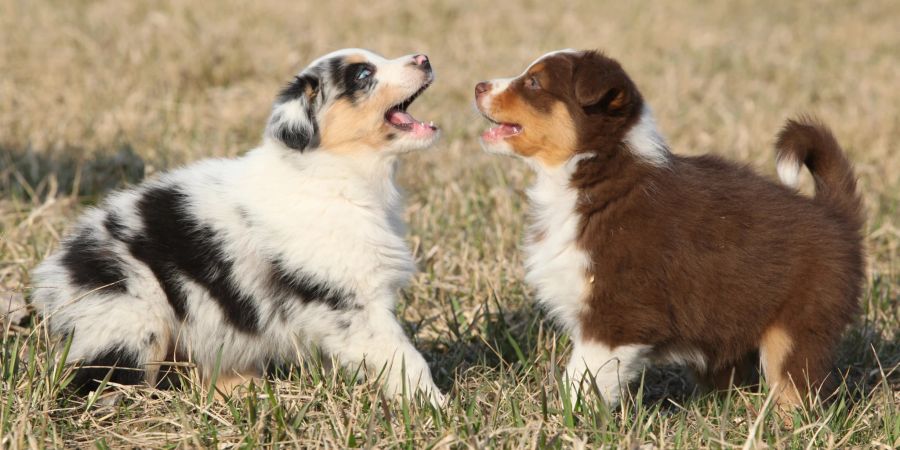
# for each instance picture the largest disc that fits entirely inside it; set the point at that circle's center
(363, 73)
(533, 83)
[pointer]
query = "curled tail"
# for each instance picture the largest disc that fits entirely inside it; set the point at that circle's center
(807, 141)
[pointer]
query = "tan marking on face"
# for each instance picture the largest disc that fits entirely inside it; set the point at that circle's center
(355, 58)
(535, 69)
(547, 136)
(362, 122)
(309, 91)
(775, 347)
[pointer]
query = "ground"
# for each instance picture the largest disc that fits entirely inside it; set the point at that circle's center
(99, 94)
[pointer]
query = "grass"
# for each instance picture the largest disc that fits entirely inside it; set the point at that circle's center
(95, 95)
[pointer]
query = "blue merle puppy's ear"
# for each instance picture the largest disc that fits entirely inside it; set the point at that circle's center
(293, 120)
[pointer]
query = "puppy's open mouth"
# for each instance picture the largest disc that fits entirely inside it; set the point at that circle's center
(502, 130)
(398, 118)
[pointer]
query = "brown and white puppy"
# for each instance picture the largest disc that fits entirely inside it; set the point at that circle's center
(647, 256)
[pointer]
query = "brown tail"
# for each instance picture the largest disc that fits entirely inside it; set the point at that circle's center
(808, 141)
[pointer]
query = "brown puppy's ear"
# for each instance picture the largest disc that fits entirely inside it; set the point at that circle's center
(612, 102)
(598, 85)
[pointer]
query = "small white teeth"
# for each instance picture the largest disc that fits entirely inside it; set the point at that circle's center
(431, 124)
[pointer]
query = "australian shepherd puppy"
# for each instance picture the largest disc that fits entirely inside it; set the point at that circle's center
(646, 256)
(298, 244)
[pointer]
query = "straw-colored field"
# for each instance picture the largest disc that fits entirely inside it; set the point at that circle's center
(98, 94)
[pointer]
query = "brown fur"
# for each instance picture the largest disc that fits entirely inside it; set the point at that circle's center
(545, 139)
(548, 130)
(350, 123)
(702, 253)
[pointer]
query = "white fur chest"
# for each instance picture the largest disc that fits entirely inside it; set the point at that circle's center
(555, 266)
(341, 223)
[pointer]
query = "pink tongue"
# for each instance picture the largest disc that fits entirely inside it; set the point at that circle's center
(502, 131)
(398, 117)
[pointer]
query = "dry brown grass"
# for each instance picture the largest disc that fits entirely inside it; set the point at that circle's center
(93, 94)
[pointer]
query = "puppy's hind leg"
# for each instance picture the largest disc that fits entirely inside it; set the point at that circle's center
(125, 334)
(372, 337)
(796, 361)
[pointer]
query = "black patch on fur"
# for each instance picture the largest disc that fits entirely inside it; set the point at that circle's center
(92, 265)
(313, 141)
(298, 136)
(335, 71)
(297, 285)
(114, 226)
(175, 244)
(299, 87)
(344, 77)
(89, 373)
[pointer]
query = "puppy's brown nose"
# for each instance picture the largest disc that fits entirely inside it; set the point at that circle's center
(481, 88)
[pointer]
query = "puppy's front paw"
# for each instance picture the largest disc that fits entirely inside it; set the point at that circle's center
(436, 398)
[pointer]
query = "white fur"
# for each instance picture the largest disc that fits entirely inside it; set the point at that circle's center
(788, 171)
(547, 55)
(645, 140)
(556, 267)
(498, 147)
(690, 357)
(594, 364)
(333, 215)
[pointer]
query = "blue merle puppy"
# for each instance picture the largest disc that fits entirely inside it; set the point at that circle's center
(298, 244)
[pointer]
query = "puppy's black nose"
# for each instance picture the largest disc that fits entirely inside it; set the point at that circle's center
(481, 88)
(422, 61)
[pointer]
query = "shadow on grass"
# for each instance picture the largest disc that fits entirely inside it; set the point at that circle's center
(869, 355)
(868, 358)
(508, 339)
(519, 340)
(30, 174)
